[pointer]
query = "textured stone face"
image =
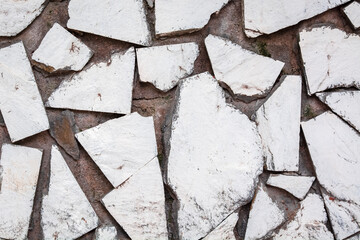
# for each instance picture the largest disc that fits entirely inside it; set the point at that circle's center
(225, 230)
(352, 12)
(106, 232)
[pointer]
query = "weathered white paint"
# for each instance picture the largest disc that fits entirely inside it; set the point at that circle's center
(225, 231)
(106, 232)
(352, 12)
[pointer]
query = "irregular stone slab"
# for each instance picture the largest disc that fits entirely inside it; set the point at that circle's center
(164, 66)
(245, 72)
(127, 18)
(344, 104)
(335, 151)
(225, 230)
(296, 185)
(335, 63)
(20, 168)
(214, 156)
(174, 17)
(120, 147)
(138, 204)
(16, 15)
(106, 232)
(103, 87)
(271, 16)
(60, 50)
(352, 12)
(20, 101)
(66, 213)
(278, 123)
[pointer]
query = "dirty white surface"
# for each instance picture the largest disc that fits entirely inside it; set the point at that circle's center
(225, 231)
(106, 232)
(352, 12)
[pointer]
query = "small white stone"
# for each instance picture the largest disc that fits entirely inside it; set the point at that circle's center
(20, 101)
(123, 20)
(225, 231)
(60, 50)
(19, 172)
(106, 232)
(352, 12)
(103, 87)
(330, 59)
(296, 185)
(66, 213)
(150, 3)
(175, 17)
(164, 66)
(245, 72)
(278, 123)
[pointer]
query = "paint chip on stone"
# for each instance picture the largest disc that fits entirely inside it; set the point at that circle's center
(352, 12)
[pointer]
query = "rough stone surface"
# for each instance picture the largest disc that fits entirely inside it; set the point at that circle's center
(225, 231)
(352, 12)
(103, 87)
(106, 232)
(164, 66)
(335, 63)
(215, 176)
(18, 179)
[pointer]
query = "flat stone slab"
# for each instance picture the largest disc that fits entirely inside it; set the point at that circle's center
(106, 232)
(335, 63)
(225, 230)
(20, 168)
(245, 72)
(352, 12)
(214, 156)
(20, 102)
(102, 87)
(164, 66)
(122, 20)
(66, 213)
(268, 17)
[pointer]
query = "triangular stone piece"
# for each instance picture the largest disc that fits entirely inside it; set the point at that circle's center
(225, 230)
(352, 12)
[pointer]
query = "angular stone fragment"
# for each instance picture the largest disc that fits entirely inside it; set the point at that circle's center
(345, 104)
(16, 15)
(335, 63)
(176, 17)
(19, 173)
(225, 230)
(164, 66)
(138, 204)
(103, 87)
(352, 12)
(278, 123)
(272, 15)
(150, 3)
(214, 156)
(106, 232)
(245, 72)
(20, 101)
(60, 50)
(120, 147)
(66, 213)
(123, 20)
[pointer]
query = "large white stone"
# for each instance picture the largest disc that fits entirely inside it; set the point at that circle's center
(19, 173)
(345, 104)
(176, 17)
(106, 232)
(123, 20)
(20, 101)
(245, 72)
(335, 151)
(278, 121)
(330, 58)
(164, 66)
(120, 147)
(214, 156)
(60, 50)
(103, 87)
(66, 213)
(16, 15)
(225, 231)
(265, 17)
(138, 204)
(352, 12)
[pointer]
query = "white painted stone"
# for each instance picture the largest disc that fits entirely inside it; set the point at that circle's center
(176, 17)
(66, 213)
(245, 72)
(335, 151)
(164, 66)
(123, 20)
(215, 157)
(106, 232)
(225, 231)
(103, 87)
(345, 104)
(296, 185)
(120, 147)
(278, 122)
(335, 64)
(352, 12)
(272, 15)
(16, 15)
(138, 204)
(19, 173)
(20, 101)
(355, 237)
(60, 50)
